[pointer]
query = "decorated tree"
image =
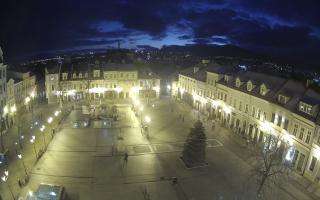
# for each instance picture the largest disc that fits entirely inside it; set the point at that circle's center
(194, 152)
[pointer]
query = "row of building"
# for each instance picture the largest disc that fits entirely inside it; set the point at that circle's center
(259, 107)
(17, 90)
(100, 82)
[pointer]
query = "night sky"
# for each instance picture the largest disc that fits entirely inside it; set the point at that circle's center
(283, 28)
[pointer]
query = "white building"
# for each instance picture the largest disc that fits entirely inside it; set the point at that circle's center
(259, 106)
(3, 80)
(98, 82)
(21, 90)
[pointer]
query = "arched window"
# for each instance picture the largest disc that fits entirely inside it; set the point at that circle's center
(238, 82)
(249, 86)
(263, 89)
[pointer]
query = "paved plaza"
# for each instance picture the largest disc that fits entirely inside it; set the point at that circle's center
(89, 161)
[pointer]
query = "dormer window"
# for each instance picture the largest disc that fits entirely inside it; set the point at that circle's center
(74, 75)
(238, 82)
(263, 89)
(86, 75)
(226, 78)
(306, 108)
(64, 76)
(96, 73)
(249, 86)
(80, 75)
(282, 99)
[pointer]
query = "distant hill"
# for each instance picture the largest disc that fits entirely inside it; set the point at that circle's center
(212, 50)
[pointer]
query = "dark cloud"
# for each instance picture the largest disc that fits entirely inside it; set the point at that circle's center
(286, 27)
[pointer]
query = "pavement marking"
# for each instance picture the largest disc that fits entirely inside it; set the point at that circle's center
(137, 149)
(61, 176)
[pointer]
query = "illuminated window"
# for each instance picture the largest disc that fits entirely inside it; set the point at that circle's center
(238, 82)
(249, 86)
(282, 99)
(305, 108)
(295, 129)
(263, 89)
(313, 163)
(308, 137)
(301, 133)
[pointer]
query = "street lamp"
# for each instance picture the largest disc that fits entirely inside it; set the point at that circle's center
(44, 137)
(4, 179)
(141, 109)
(13, 111)
(50, 119)
(32, 140)
(24, 166)
(147, 119)
(56, 113)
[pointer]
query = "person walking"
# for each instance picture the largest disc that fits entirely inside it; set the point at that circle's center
(125, 158)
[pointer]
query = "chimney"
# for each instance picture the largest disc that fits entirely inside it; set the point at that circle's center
(195, 69)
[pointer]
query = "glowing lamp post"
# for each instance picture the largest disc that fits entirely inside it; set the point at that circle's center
(141, 109)
(4, 179)
(50, 119)
(147, 120)
(22, 161)
(56, 113)
(44, 137)
(32, 141)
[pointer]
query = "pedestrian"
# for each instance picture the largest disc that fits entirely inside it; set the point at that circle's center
(125, 158)
(247, 142)
(19, 183)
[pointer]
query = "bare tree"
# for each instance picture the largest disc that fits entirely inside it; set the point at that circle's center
(271, 167)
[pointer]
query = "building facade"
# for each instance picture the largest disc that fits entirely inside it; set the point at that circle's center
(21, 91)
(3, 80)
(259, 107)
(98, 82)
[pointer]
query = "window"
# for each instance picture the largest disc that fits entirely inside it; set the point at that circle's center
(305, 108)
(253, 111)
(225, 97)
(64, 76)
(295, 129)
(301, 133)
(247, 108)
(273, 118)
(259, 114)
(86, 75)
(249, 86)
(238, 82)
(80, 75)
(313, 163)
(318, 140)
(282, 99)
(285, 125)
(308, 137)
(263, 89)
(279, 120)
(74, 75)
(264, 116)
(240, 106)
